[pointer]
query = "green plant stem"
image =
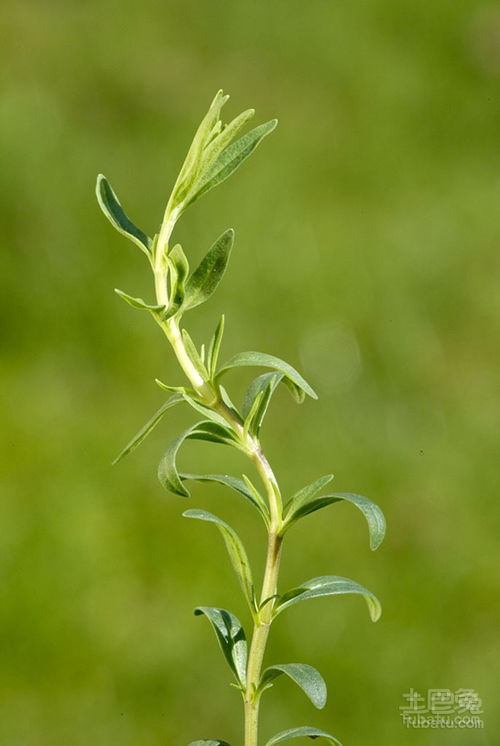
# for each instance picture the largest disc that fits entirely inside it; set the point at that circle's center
(262, 618)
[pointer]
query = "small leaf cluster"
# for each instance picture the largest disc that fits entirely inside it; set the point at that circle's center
(215, 153)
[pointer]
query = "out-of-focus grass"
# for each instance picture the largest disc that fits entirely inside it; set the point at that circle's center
(367, 254)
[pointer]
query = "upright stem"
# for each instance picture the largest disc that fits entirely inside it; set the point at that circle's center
(211, 397)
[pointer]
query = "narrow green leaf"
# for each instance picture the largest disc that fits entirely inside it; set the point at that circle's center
(297, 384)
(371, 511)
(304, 731)
(179, 270)
(175, 389)
(308, 492)
(238, 485)
(214, 348)
(193, 354)
(205, 430)
(205, 411)
(307, 677)
(250, 424)
(261, 383)
(229, 160)
(231, 637)
(328, 585)
(223, 138)
(236, 550)
(111, 207)
(139, 303)
(148, 427)
(207, 276)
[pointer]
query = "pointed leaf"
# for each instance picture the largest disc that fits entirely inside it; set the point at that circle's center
(307, 677)
(236, 550)
(206, 278)
(371, 511)
(261, 383)
(231, 637)
(214, 348)
(229, 160)
(223, 138)
(308, 492)
(111, 207)
(235, 484)
(328, 585)
(148, 427)
(209, 413)
(193, 354)
(138, 302)
(295, 381)
(205, 430)
(304, 731)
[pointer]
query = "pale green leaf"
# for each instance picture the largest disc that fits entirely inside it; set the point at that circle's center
(139, 303)
(214, 348)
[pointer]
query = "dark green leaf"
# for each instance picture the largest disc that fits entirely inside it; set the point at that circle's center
(111, 207)
(371, 511)
(236, 551)
(229, 160)
(231, 637)
(206, 278)
(297, 384)
(148, 427)
(235, 484)
(307, 493)
(307, 677)
(328, 585)
(304, 731)
(205, 430)
(209, 413)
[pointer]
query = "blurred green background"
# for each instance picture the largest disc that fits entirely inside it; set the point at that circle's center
(367, 255)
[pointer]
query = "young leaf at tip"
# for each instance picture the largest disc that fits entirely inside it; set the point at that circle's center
(111, 207)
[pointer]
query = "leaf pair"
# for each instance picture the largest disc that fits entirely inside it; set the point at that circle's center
(305, 501)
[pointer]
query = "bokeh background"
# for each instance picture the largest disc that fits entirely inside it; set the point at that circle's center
(367, 255)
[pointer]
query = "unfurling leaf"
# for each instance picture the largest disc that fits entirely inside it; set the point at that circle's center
(205, 279)
(231, 637)
(148, 427)
(304, 731)
(328, 585)
(229, 160)
(236, 551)
(243, 488)
(291, 377)
(111, 207)
(371, 511)
(307, 677)
(205, 430)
